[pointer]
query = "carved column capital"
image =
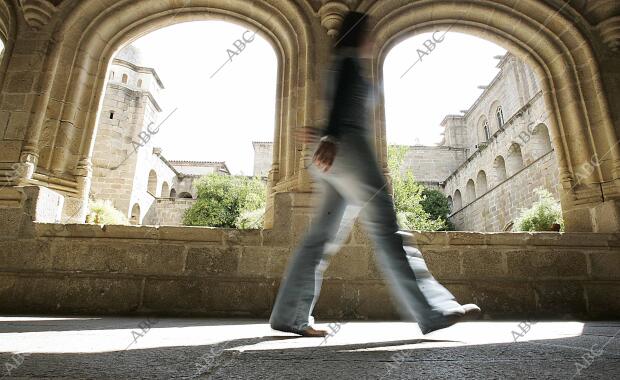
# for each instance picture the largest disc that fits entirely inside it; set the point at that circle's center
(37, 13)
(332, 14)
(610, 32)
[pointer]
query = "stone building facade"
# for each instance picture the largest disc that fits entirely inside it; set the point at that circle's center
(507, 152)
(491, 158)
(127, 169)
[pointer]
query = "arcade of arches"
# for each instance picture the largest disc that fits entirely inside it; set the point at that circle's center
(54, 70)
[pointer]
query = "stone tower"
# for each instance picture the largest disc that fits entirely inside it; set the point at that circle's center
(128, 120)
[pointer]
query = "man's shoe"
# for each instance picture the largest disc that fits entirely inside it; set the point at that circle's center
(308, 331)
(467, 312)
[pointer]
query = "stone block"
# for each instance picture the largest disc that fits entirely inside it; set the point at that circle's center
(58, 294)
(242, 237)
(544, 263)
(254, 261)
(278, 261)
(497, 299)
(443, 263)
(483, 263)
(24, 255)
(200, 234)
(570, 239)
(10, 150)
(208, 297)
(605, 265)
(213, 260)
(563, 300)
(466, 238)
(603, 300)
(11, 219)
(349, 263)
(118, 257)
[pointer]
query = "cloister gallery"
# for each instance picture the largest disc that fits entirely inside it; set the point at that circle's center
(55, 67)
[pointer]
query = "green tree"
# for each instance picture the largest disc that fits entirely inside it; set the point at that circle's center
(436, 204)
(409, 197)
(226, 201)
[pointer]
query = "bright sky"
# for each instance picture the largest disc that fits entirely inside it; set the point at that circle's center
(218, 118)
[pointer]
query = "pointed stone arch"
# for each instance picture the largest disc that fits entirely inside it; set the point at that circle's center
(94, 31)
(581, 126)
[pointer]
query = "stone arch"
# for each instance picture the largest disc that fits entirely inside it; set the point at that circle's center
(481, 182)
(458, 201)
(151, 186)
(470, 191)
(554, 46)
(165, 190)
(540, 142)
(8, 30)
(94, 31)
(135, 214)
(450, 204)
(499, 170)
(173, 193)
(185, 195)
(514, 159)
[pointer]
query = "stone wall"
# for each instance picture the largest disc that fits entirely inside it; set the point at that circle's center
(167, 212)
(433, 163)
(184, 271)
(495, 208)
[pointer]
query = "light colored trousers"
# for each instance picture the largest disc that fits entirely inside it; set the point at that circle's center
(355, 180)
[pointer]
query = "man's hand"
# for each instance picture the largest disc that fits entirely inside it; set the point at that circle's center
(325, 155)
(307, 135)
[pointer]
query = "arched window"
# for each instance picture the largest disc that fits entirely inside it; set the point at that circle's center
(185, 195)
(450, 205)
(470, 191)
(457, 201)
(500, 117)
(499, 170)
(173, 193)
(486, 131)
(151, 187)
(140, 83)
(135, 214)
(514, 160)
(165, 190)
(481, 181)
(111, 75)
(125, 78)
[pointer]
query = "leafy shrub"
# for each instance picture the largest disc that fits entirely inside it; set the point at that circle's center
(222, 200)
(103, 212)
(417, 208)
(542, 215)
(250, 219)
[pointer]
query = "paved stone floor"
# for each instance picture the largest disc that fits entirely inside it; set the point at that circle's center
(172, 348)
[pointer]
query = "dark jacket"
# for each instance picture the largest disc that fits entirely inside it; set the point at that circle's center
(347, 95)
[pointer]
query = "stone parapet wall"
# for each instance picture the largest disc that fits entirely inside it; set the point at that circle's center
(168, 212)
(90, 269)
